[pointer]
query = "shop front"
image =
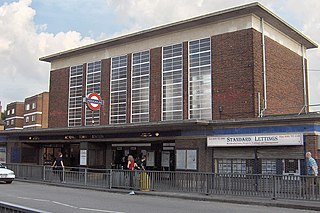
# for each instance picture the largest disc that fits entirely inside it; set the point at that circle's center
(281, 154)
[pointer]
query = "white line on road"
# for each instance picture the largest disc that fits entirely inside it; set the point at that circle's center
(98, 210)
(70, 206)
(63, 204)
(27, 198)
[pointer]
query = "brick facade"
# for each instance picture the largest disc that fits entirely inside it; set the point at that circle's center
(59, 97)
(15, 117)
(38, 107)
(237, 79)
(284, 79)
(232, 80)
(105, 91)
(155, 84)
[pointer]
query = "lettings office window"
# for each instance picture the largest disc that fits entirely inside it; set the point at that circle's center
(118, 92)
(172, 88)
(200, 79)
(75, 96)
(140, 87)
(93, 86)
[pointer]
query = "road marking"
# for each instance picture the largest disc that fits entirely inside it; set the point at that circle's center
(63, 204)
(98, 210)
(27, 198)
(70, 206)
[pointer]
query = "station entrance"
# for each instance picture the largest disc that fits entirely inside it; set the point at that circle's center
(159, 156)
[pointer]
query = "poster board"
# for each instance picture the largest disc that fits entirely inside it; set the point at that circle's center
(150, 158)
(165, 159)
(83, 157)
(186, 159)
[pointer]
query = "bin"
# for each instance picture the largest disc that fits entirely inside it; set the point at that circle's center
(144, 182)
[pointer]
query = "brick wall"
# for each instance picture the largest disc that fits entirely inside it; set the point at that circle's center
(59, 96)
(105, 91)
(202, 151)
(232, 75)
(155, 84)
(45, 109)
(284, 79)
(312, 145)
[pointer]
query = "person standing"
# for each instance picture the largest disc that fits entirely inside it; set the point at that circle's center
(131, 165)
(59, 166)
(312, 171)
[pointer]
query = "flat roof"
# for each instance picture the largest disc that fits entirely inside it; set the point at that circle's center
(252, 8)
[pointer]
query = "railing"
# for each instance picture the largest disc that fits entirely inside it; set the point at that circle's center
(13, 208)
(271, 186)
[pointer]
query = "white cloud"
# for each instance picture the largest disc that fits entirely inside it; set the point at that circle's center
(21, 44)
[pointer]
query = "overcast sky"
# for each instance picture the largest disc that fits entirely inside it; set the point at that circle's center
(30, 29)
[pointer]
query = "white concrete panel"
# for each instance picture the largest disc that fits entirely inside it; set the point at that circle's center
(203, 31)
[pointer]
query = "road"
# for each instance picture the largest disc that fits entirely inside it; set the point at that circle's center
(64, 200)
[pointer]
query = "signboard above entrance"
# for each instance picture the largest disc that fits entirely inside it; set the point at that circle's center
(255, 140)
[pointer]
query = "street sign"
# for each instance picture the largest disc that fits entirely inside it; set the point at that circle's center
(94, 101)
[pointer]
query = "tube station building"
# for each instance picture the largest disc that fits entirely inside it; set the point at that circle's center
(225, 92)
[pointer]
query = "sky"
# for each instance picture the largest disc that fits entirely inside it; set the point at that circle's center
(30, 29)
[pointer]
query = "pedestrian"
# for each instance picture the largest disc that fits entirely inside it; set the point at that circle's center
(143, 162)
(131, 166)
(59, 166)
(312, 171)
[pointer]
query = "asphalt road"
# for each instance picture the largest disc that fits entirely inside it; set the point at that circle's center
(64, 200)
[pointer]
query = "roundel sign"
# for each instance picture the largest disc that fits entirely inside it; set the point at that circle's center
(94, 101)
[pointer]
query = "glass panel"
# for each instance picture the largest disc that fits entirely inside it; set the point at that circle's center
(200, 106)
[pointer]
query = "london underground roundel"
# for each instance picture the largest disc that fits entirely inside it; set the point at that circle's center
(94, 101)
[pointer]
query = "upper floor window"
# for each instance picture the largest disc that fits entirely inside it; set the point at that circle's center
(75, 96)
(200, 79)
(12, 122)
(27, 119)
(12, 111)
(8, 112)
(140, 87)
(34, 105)
(27, 107)
(118, 90)
(33, 118)
(172, 87)
(93, 86)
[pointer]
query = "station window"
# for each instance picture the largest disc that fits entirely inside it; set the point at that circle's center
(93, 86)
(118, 92)
(172, 79)
(235, 166)
(140, 78)
(268, 166)
(200, 79)
(75, 96)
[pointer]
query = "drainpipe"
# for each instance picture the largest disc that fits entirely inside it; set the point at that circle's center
(264, 70)
(305, 104)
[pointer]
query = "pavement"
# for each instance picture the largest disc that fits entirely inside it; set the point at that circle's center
(245, 200)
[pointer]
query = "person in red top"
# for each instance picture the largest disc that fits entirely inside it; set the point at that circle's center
(131, 164)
